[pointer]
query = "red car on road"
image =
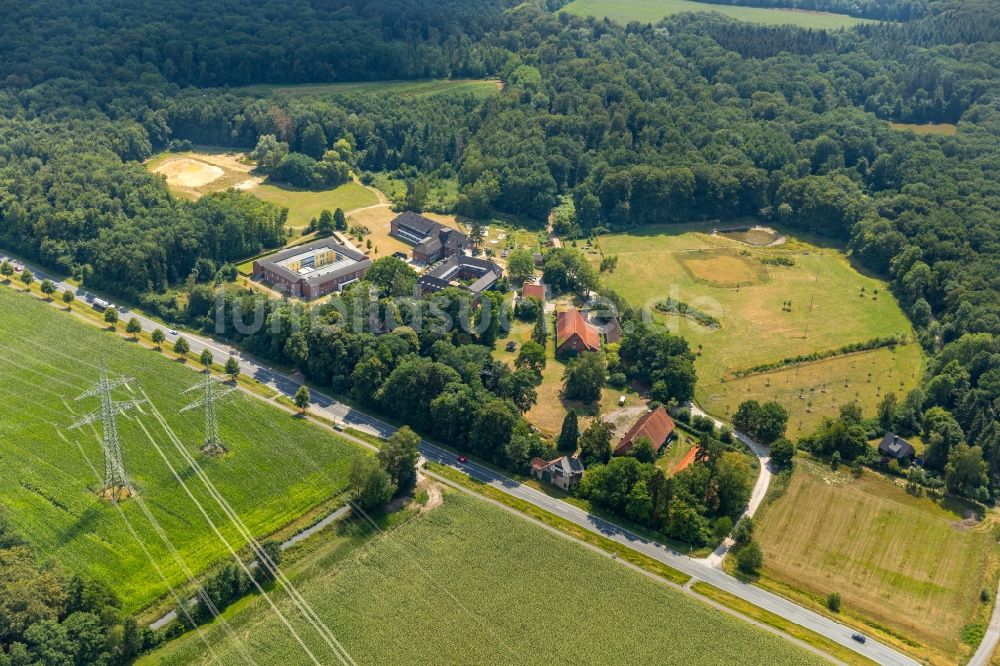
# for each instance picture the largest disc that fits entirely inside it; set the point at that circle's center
(463, 459)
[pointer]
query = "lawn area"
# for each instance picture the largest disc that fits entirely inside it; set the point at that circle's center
(898, 561)
(682, 444)
(418, 88)
(303, 205)
(278, 468)
(652, 11)
(548, 413)
(727, 279)
(469, 583)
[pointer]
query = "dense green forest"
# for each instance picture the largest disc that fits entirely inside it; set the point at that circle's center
(697, 117)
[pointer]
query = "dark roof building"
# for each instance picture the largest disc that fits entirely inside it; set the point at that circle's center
(894, 446)
(313, 269)
(656, 425)
(613, 331)
(574, 334)
(455, 270)
(431, 240)
(565, 472)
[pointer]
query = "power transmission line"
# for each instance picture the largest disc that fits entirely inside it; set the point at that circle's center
(116, 483)
(211, 393)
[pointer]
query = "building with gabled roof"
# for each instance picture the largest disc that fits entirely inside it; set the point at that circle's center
(574, 334)
(431, 240)
(564, 472)
(656, 425)
(533, 290)
(894, 446)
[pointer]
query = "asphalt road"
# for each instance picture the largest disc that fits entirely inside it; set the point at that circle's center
(699, 569)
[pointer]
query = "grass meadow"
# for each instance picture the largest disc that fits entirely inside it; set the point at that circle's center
(897, 561)
(419, 88)
(652, 11)
(942, 129)
(469, 583)
(831, 305)
(279, 467)
(304, 205)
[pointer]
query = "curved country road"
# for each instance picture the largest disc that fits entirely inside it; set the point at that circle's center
(330, 408)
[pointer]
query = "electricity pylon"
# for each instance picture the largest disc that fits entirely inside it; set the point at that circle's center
(115, 480)
(211, 393)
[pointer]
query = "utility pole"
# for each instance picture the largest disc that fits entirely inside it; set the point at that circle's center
(116, 483)
(211, 392)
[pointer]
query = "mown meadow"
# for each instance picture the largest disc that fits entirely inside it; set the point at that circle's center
(772, 303)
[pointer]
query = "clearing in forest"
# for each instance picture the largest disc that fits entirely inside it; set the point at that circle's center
(771, 303)
(469, 583)
(194, 174)
(415, 88)
(278, 469)
(651, 11)
(903, 562)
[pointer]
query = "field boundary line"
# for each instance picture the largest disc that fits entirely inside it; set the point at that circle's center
(686, 587)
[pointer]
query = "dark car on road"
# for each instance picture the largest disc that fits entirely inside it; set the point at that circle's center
(859, 638)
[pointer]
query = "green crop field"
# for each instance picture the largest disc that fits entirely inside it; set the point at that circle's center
(899, 561)
(419, 88)
(727, 279)
(654, 10)
(468, 583)
(278, 469)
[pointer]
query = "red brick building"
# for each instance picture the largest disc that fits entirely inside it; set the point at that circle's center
(312, 270)
(656, 425)
(574, 334)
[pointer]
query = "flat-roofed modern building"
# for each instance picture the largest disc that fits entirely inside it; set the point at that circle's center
(314, 269)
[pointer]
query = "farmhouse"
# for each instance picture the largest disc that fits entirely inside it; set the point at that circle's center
(456, 271)
(314, 269)
(431, 240)
(657, 426)
(564, 472)
(574, 334)
(894, 446)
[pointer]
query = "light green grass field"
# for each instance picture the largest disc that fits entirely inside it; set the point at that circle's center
(654, 10)
(419, 88)
(468, 583)
(899, 561)
(279, 467)
(303, 205)
(756, 326)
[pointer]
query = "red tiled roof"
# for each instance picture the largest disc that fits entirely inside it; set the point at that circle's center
(539, 463)
(536, 290)
(570, 323)
(656, 425)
